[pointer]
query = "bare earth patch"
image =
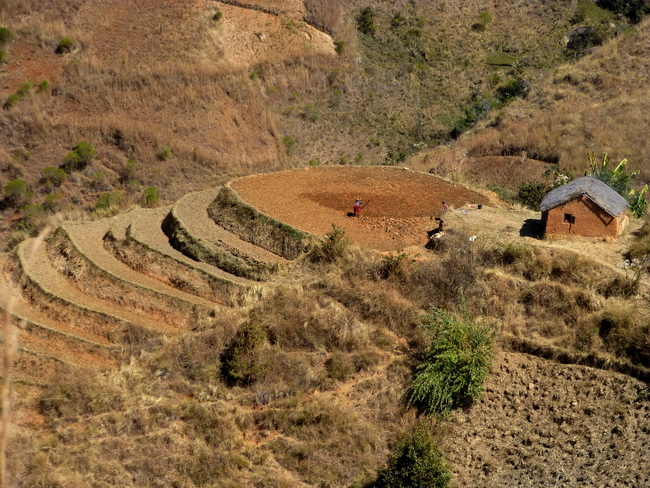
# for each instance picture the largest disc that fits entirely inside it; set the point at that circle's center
(402, 207)
(402, 204)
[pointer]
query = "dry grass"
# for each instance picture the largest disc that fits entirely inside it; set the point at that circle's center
(330, 403)
(594, 105)
(10, 335)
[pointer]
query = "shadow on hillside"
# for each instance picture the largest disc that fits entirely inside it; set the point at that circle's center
(532, 228)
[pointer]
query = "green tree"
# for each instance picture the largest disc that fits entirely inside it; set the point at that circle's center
(417, 462)
(243, 362)
(79, 157)
(16, 193)
(366, 21)
(453, 370)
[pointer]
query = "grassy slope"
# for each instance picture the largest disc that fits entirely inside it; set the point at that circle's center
(143, 79)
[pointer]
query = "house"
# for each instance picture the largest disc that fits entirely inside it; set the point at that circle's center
(585, 207)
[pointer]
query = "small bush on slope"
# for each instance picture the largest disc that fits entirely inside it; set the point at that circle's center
(244, 361)
(454, 368)
(79, 157)
(417, 463)
(332, 248)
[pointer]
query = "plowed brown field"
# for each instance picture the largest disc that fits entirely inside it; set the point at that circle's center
(402, 204)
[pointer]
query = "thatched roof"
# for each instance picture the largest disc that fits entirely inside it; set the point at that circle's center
(601, 194)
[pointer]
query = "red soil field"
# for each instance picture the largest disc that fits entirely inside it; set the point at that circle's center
(402, 204)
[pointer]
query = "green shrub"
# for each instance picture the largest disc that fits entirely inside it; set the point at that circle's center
(452, 371)
(473, 113)
(16, 193)
(52, 176)
(531, 194)
(3, 56)
(620, 181)
(511, 90)
(243, 362)
(339, 47)
(51, 203)
(289, 142)
(43, 86)
(638, 203)
(134, 185)
(11, 101)
(98, 180)
(25, 88)
(258, 72)
(109, 200)
(65, 45)
(391, 265)
(417, 463)
(150, 197)
(366, 21)
(332, 248)
(309, 113)
(164, 153)
(5, 35)
(32, 212)
(398, 20)
(217, 16)
(484, 19)
(79, 157)
(127, 172)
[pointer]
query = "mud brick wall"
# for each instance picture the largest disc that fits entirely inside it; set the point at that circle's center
(589, 220)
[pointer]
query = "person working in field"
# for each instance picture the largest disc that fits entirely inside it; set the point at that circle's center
(358, 205)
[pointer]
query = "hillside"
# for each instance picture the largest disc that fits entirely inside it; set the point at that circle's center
(174, 332)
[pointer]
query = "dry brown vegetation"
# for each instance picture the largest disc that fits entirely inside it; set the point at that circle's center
(333, 341)
(325, 400)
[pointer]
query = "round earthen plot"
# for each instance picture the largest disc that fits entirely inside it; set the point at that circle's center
(401, 204)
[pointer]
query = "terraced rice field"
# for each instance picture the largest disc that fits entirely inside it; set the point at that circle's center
(84, 297)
